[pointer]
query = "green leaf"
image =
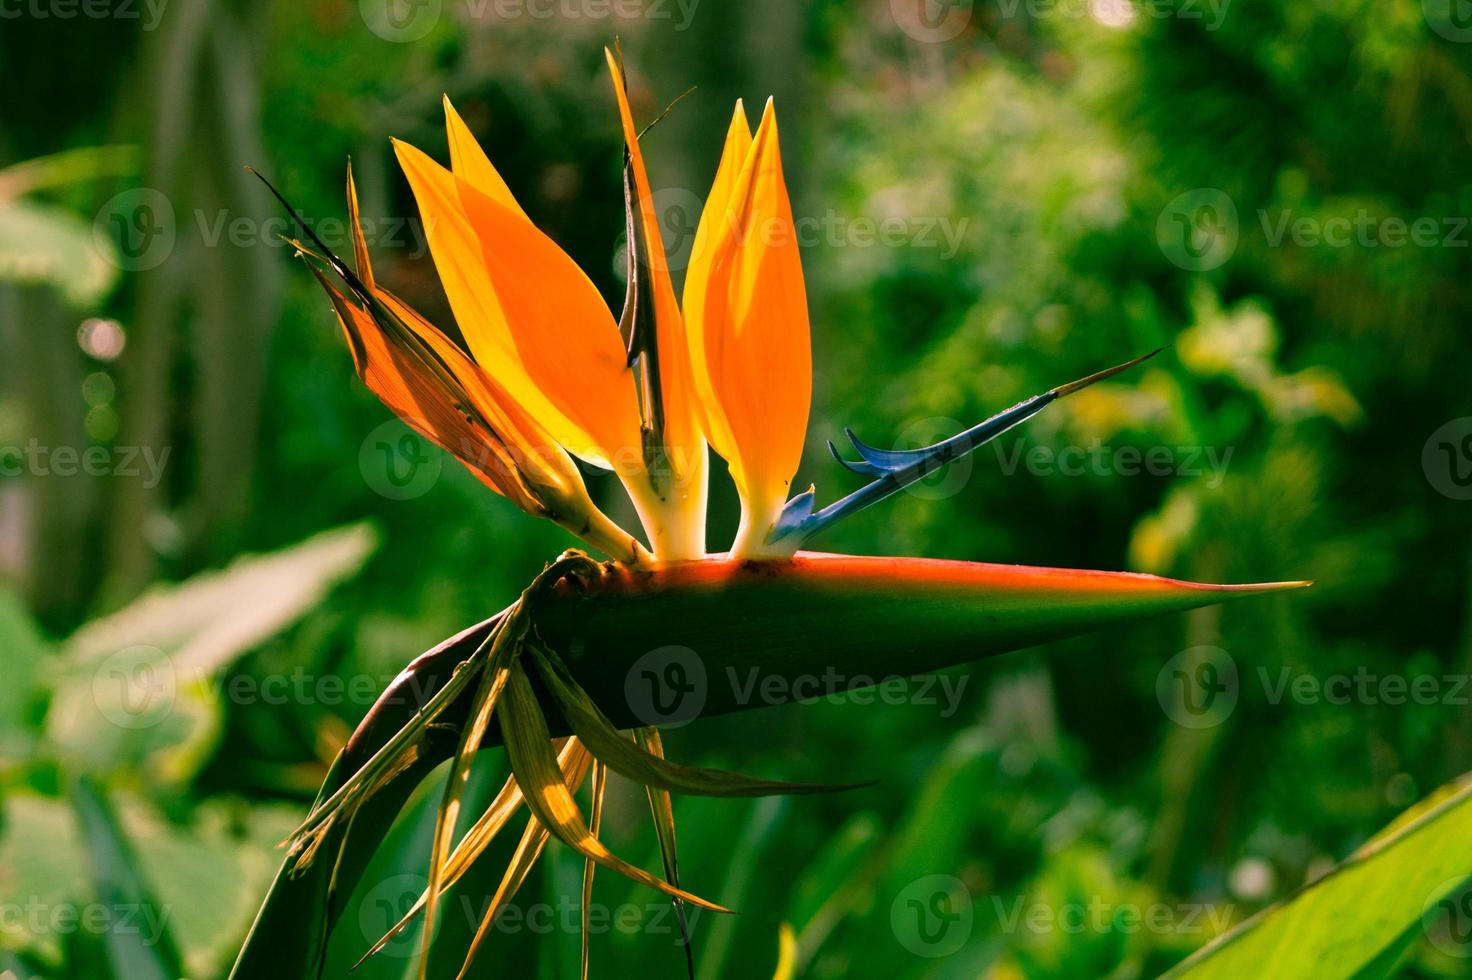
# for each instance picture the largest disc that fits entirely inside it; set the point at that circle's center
(1340, 924)
(44, 244)
(765, 819)
(662, 812)
(204, 875)
(137, 688)
(137, 938)
(21, 654)
(832, 882)
(72, 166)
(41, 867)
(289, 934)
(203, 623)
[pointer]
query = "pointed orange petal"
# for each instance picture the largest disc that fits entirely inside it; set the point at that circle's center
(428, 405)
(470, 163)
(682, 432)
(697, 276)
(529, 314)
(670, 495)
(750, 339)
(562, 329)
(360, 243)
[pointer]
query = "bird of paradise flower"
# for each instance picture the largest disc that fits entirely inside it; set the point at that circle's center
(545, 375)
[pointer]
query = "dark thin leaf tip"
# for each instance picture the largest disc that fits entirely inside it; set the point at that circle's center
(1082, 383)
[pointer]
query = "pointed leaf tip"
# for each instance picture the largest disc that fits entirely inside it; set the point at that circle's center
(893, 470)
(1095, 378)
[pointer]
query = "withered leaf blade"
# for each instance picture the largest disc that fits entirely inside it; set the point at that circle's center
(573, 759)
(504, 648)
(662, 810)
(528, 746)
(628, 759)
(600, 786)
(574, 763)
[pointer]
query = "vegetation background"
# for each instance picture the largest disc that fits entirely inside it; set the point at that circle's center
(998, 196)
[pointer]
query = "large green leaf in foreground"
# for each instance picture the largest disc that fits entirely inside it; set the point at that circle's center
(1354, 920)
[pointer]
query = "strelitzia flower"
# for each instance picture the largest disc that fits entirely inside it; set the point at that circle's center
(548, 374)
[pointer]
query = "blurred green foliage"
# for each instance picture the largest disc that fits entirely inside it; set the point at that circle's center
(1039, 163)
